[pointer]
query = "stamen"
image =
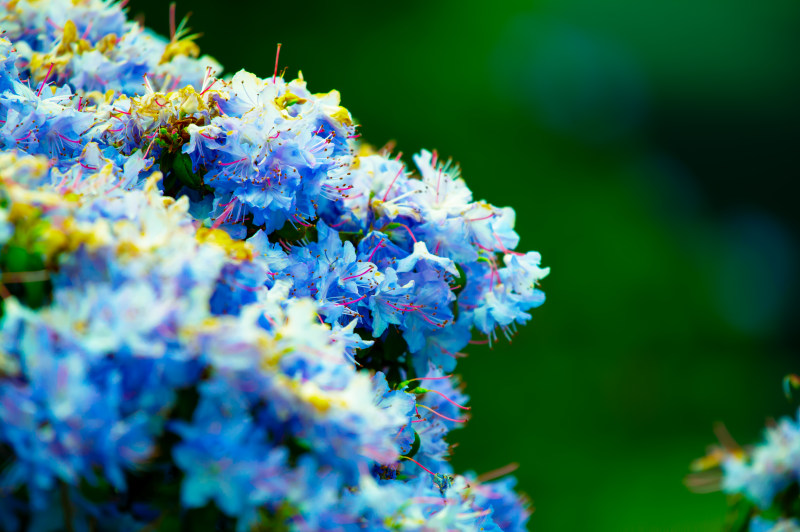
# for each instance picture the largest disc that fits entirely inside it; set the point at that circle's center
(427, 379)
(423, 390)
(479, 219)
(212, 84)
(352, 301)
(442, 415)
(233, 162)
(369, 269)
(41, 87)
(409, 232)
(428, 500)
(277, 55)
(88, 29)
(380, 245)
(68, 139)
(301, 222)
(422, 466)
(473, 515)
(499, 472)
(386, 194)
(172, 21)
(503, 248)
(222, 217)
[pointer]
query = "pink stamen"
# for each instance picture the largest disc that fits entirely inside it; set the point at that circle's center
(88, 167)
(450, 400)
(244, 287)
(409, 232)
(41, 87)
(149, 146)
(380, 245)
(436, 249)
(224, 216)
(277, 55)
(386, 194)
(301, 222)
(172, 21)
(435, 158)
(503, 248)
(429, 378)
(422, 466)
(369, 269)
(88, 29)
(68, 139)
(428, 500)
(80, 101)
(233, 162)
(443, 416)
(25, 137)
(270, 320)
(350, 302)
(479, 219)
(353, 136)
(275, 136)
(398, 308)
(206, 136)
(204, 90)
(113, 109)
(115, 187)
(430, 321)
(478, 342)
(339, 224)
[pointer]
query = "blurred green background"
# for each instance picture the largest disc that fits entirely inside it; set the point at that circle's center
(649, 149)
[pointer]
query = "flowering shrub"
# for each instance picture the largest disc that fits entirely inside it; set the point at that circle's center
(221, 310)
(763, 482)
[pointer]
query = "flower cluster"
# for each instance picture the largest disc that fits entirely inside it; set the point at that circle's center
(221, 310)
(763, 481)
